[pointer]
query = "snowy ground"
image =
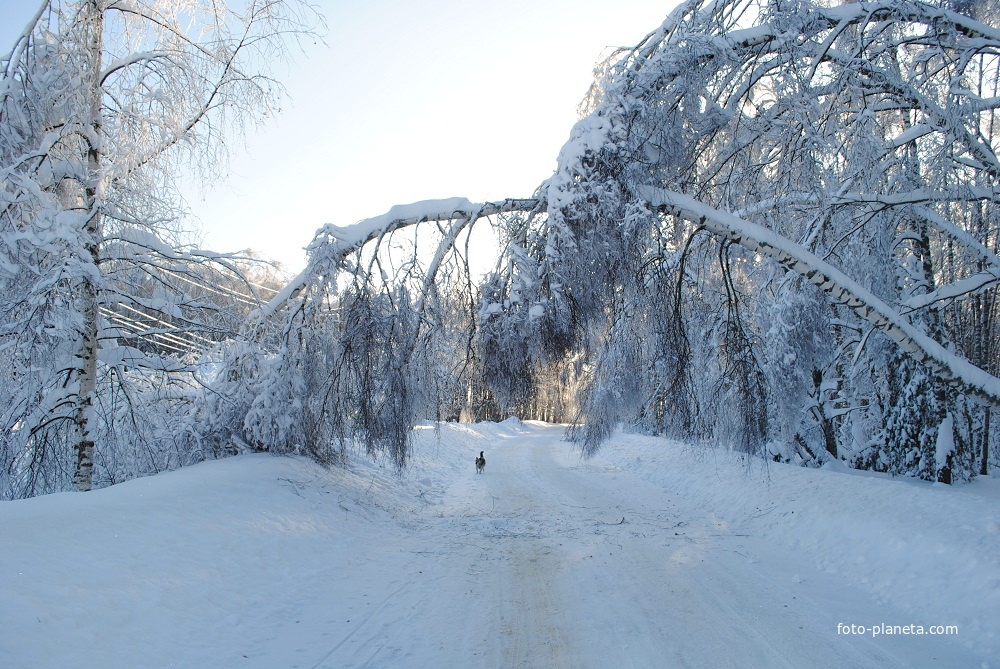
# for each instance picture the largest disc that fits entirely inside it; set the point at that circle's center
(650, 555)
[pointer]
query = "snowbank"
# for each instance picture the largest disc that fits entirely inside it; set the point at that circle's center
(264, 561)
(930, 549)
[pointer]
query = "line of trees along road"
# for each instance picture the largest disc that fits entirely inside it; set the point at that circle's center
(775, 226)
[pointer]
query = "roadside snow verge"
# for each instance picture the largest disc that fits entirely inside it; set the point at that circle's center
(930, 549)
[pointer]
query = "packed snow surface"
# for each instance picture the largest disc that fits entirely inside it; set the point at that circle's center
(652, 554)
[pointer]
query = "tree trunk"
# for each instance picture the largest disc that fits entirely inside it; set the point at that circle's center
(829, 433)
(984, 466)
(93, 190)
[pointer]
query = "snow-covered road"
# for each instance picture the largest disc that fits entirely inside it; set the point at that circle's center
(542, 561)
(582, 565)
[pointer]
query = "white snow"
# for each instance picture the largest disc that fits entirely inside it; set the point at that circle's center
(651, 554)
(945, 444)
(976, 283)
(353, 235)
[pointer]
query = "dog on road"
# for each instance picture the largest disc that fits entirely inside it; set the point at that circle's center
(480, 463)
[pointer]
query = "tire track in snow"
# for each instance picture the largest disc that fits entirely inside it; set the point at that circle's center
(376, 612)
(532, 628)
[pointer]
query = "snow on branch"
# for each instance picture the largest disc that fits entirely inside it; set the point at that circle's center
(333, 241)
(962, 288)
(838, 285)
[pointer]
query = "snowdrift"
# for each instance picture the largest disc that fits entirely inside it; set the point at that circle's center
(264, 561)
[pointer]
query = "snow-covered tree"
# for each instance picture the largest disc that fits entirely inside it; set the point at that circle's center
(375, 334)
(851, 145)
(101, 102)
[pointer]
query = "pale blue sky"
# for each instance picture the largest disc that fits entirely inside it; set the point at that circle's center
(409, 101)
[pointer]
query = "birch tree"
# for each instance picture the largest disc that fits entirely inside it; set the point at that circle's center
(366, 340)
(103, 103)
(849, 145)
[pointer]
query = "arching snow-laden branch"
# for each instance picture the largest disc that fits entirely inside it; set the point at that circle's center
(832, 281)
(332, 244)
